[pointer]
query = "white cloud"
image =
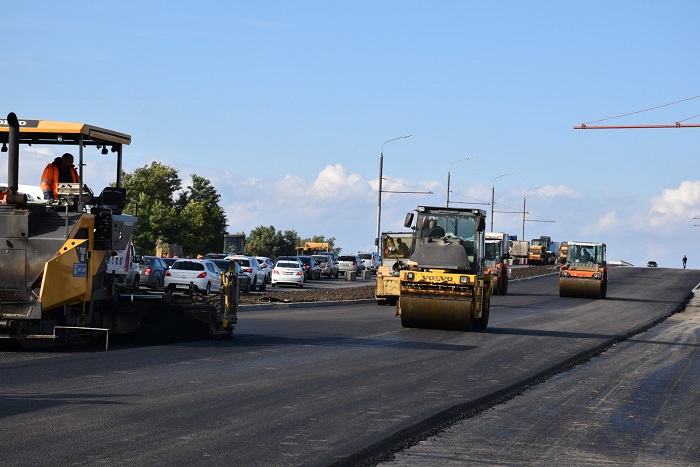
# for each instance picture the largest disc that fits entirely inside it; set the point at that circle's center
(676, 205)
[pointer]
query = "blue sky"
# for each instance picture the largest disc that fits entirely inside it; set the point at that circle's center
(285, 106)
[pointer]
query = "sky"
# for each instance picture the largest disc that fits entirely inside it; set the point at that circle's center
(286, 107)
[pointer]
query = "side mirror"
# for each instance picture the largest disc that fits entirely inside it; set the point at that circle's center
(408, 221)
(482, 224)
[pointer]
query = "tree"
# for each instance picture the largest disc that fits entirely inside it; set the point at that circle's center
(267, 241)
(203, 221)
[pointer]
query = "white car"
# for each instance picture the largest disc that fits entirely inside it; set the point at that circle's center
(370, 260)
(267, 265)
(288, 272)
(251, 267)
(204, 274)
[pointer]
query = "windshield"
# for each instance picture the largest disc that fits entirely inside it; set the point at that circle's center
(446, 225)
(493, 252)
(397, 247)
(585, 254)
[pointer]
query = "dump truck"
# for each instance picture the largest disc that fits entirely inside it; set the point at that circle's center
(445, 285)
(540, 251)
(585, 273)
(520, 249)
(496, 256)
(395, 252)
(55, 281)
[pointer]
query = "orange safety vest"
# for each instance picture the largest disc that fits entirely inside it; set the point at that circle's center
(49, 179)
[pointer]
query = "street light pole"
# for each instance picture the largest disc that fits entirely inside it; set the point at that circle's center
(379, 200)
(493, 193)
(447, 203)
(531, 189)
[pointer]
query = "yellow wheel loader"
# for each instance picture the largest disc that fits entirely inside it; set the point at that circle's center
(444, 286)
(585, 273)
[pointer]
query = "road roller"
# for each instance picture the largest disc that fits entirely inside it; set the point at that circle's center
(396, 250)
(444, 285)
(585, 272)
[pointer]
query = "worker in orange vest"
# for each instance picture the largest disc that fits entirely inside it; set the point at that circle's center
(61, 170)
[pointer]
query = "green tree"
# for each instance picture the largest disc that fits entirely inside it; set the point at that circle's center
(267, 241)
(202, 220)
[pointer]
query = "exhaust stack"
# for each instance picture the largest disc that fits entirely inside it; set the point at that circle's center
(13, 161)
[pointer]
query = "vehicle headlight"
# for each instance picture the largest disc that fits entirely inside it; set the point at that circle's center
(463, 279)
(409, 276)
(565, 274)
(596, 275)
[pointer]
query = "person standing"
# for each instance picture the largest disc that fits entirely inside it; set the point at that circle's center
(61, 170)
(685, 260)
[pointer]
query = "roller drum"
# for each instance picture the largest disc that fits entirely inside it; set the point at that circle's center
(435, 312)
(582, 288)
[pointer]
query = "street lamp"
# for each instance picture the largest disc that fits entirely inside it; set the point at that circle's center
(531, 189)
(379, 200)
(447, 203)
(493, 190)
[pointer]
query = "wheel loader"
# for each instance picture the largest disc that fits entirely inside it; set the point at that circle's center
(54, 277)
(444, 286)
(585, 272)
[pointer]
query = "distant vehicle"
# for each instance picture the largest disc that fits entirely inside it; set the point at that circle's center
(152, 272)
(329, 267)
(370, 260)
(243, 279)
(169, 261)
(350, 263)
(235, 244)
(251, 267)
(313, 270)
(266, 265)
(288, 272)
(652, 264)
(204, 274)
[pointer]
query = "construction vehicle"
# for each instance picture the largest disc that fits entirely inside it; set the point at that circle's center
(496, 256)
(312, 248)
(55, 281)
(585, 273)
(540, 251)
(396, 250)
(445, 286)
(235, 244)
(519, 251)
(563, 248)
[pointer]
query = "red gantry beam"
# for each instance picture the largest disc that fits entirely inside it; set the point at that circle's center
(583, 126)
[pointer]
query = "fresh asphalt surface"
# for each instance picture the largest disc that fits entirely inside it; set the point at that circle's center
(347, 384)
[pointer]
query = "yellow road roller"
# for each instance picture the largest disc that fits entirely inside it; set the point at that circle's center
(444, 286)
(395, 253)
(585, 272)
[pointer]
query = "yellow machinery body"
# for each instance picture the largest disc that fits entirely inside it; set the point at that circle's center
(585, 272)
(395, 253)
(445, 285)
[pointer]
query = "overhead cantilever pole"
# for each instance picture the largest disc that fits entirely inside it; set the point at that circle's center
(583, 126)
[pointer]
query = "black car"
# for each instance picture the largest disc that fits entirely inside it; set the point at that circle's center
(152, 272)
(313, 270)
(651, 264)
(243, 279)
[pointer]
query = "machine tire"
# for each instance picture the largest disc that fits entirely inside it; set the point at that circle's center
(156, 283)
(301, 286)
(483, 322)
(504, 290)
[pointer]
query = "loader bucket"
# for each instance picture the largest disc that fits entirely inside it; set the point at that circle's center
(435, 312)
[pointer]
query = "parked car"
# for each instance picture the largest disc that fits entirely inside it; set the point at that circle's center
(169, 261)
(370, 260)
(329, 268)
(288, 272)
(313, 270)
(267, 265)
(203, 273)
(251, 267)
(350, 263)
(243, 279)
(152, 272)
(651, 264)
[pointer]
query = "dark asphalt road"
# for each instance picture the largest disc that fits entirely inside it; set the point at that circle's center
(308, 386)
